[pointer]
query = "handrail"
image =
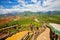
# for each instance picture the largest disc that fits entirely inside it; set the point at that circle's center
(8, 27)
(24, 37)
(27, 36)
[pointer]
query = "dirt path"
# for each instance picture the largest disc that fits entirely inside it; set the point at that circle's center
(45, 35)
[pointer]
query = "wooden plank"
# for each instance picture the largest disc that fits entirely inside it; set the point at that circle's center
(8, 27)
(18, 36)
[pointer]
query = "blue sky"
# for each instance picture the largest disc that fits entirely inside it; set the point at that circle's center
(8, 3)
(7, 6)
(11, 3)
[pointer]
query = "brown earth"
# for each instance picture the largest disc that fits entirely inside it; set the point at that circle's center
(8, 19)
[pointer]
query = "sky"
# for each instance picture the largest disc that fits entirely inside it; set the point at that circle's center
(9, 6)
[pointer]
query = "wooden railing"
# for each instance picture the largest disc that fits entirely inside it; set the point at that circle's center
(27, 36)
(6, 31)
(8, 27)
(38, 32)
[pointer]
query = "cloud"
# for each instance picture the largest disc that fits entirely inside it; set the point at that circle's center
(35, 1)
(4, 11)
(48, 5)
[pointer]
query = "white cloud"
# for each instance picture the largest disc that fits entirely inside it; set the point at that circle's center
(34, 1)
(48, 5)
(4, 11)
(22, 2)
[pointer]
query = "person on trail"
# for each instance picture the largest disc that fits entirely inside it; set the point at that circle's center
(55, 36)
(44, 25)
(31, 27)
(37, 30)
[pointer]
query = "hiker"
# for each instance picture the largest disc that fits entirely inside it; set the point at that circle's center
(44, 25)
(37, 30)
(31, 27)
(55, 36)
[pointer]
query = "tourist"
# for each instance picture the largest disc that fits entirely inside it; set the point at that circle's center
(37, 30)
(31, 27)
(55, 36)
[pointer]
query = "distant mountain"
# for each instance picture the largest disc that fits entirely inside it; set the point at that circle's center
(9, 14)
(30, 13)
(53, 12)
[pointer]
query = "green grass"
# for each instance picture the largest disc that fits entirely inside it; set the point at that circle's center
(24, 22)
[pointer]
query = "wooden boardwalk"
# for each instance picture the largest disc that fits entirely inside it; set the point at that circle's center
(45, 35)
(17, 36)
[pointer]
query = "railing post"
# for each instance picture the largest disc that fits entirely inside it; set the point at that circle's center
(8, 31)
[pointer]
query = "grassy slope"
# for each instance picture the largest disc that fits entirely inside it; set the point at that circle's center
(27, 19)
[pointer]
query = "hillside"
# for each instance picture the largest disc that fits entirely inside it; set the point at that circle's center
(26, 18)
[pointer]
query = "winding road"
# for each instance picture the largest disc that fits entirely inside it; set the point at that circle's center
(45, 35)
